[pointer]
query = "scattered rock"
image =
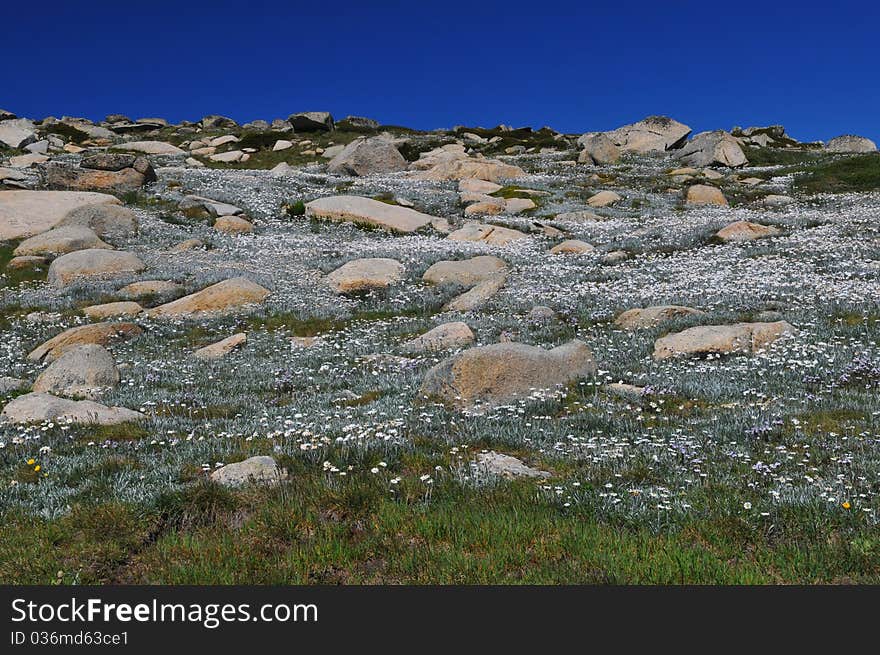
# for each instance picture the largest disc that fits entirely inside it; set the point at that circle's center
(746, 231)
(215, 122)
(648, 317)
(211, 207)
(603, 199)
(17, 132)
(506, 466)
(703, 194)
(478, 295)
(572, 246)
(465, 272)
(365, 274)
(221, 348)
(491, 234)
(64, 176)
(721, 339)
(233, 225)
(257, 470)
(113, 223)
(501, 373)
(473, 185)
(443, 337)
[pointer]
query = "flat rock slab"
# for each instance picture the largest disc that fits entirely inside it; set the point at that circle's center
(721, 339)
(224, 296)
(366, 211)
(221, 348)
(41, 407)
(112, 309)
(492, 234)
(26, 213)
(150, 148)
(98, 333)
(93, 263)
(504, 372)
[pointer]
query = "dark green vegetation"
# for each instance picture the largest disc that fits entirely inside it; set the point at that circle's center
(841, 175)
(779, 156)
(69, 132)
(355, 531)
(14, 278)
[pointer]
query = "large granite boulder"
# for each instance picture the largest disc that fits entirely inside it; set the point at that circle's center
(368, 156)
(597, 149)
(112, 223)
(93, 263)
(716, 148)
(653, 134)
(311, 121)
(366, 211)
(222, 297)
(59, 241)
(82, 372)
(851, 143)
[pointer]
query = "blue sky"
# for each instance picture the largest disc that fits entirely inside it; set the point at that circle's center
(575, 66)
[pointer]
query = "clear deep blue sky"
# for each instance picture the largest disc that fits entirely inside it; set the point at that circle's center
(575, 66)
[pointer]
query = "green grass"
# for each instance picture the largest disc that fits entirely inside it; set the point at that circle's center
(67, 131)
(354, 531)
(841, 175)
(15, 278)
